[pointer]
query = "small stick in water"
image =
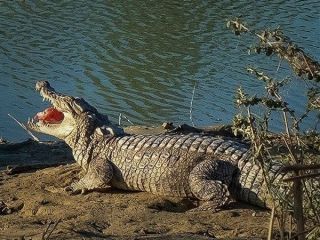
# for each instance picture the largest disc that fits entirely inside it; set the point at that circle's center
(124, 116)
(24, 127)
(191, 104)
(120, 118)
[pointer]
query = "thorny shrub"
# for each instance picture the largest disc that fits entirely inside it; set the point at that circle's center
(293, 146)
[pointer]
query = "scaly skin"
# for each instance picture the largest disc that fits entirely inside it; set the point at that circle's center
(208, 168)
(196, 166)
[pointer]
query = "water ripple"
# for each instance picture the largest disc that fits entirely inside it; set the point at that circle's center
(142, 58)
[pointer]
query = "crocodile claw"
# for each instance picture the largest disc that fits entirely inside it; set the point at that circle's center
(75, 191)
(206, 207)
(80, 188)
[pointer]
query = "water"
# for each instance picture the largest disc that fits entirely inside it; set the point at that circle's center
(142, 58)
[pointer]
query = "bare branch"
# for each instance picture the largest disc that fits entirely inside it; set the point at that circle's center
(24, 127)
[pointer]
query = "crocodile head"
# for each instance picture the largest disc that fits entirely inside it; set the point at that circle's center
(68, 115)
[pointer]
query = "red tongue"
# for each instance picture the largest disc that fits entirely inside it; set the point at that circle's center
(50, 115)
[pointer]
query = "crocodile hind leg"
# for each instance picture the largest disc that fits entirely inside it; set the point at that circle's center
(97, 177)
(209, 182)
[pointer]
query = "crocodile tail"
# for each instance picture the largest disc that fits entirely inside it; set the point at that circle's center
(259, 184)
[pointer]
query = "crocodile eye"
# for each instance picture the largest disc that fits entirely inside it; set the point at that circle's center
(80, 104)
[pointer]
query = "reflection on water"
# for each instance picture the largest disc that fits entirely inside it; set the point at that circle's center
(141, 58)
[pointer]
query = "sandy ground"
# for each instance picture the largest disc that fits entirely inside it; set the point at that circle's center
(34, 205)
(38, 198)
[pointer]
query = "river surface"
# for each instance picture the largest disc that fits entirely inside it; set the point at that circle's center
(143, 58)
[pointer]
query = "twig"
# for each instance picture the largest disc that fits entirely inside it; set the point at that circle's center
(313, 231)
(304, 232)
(290, 226)
(293, 158)
(285, 119)
(270, 229)
(305, 60)
(314, 209)
(298, 206)
(281, 220)
(124, 116)
(304, 176)
(44, 237)
(24, 127)
(191, 103)
(279, 64)
(45, 231)
(120, 118)
(300, 167)
(53, 228)
(253, 134)
(258, 148)
(299, 61)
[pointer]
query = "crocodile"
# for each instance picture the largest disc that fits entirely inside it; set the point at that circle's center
(210, 169)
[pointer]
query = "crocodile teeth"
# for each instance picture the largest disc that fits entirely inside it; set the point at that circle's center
(45, 99)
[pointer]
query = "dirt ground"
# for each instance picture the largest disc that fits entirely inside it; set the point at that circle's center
(38, 198)
(34, 205)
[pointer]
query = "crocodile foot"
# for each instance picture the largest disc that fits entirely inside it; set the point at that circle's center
(210, 206)
(85, 185)
(74, 191)
(96, 178)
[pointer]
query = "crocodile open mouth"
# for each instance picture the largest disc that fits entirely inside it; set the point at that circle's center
(50, 116)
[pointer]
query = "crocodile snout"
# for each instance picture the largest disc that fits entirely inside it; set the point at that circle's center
(42, 84)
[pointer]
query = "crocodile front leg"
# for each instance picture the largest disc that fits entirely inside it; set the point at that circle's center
(97, 177)
(209, 182)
